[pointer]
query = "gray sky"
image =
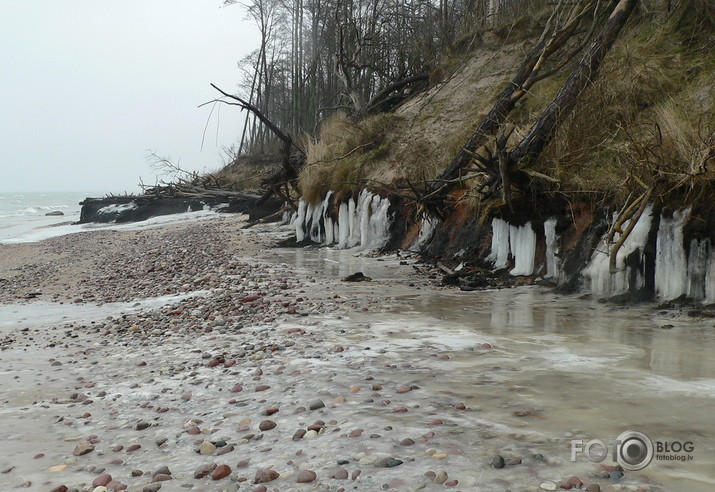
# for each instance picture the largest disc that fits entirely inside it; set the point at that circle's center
(88, 86)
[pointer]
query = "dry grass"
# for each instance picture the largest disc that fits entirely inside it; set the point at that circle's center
(345, 154)
(639, 123)
(246, 172)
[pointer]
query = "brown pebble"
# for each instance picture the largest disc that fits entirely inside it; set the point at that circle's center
(355, 433)
(265, 475)
(298, 434)
(243, 463)
(594, 487)
(355, 474)
(306, 476)
(60, 488)
(460, 406)
(451, 483)
(161, 477)
(407, 442)
(262, 387)
(83, 448)
(237, 388)
(221, 471)
(225, 450)
(102, 480)
(267, 425)
(116, 485)
(38, 456)
(133, 448)
(403, 389)
(341, 474)
(204, 470)
(271, 411)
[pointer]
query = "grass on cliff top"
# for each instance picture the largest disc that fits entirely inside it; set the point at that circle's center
(649, 118)
(345, 153)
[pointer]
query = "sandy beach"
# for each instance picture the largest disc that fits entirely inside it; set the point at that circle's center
(196, 356)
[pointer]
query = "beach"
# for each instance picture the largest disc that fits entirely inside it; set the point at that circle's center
(196, 355)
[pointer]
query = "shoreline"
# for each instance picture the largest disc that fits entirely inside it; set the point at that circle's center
(274, 365)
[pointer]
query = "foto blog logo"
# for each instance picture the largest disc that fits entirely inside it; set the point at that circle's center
(632, 450)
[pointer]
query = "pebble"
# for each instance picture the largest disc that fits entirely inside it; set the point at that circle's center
(265, 475)
(548, 486)
(102, 480)
(266, 425)
(83, 448)
(341, 474)
(204, 470)
(316, 404)
(207, 448)
(221, 471)
(498, 462)
(306, 476)
(440, 477)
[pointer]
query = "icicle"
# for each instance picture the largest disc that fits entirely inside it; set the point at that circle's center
(522, 241)
(500, 243)
(697, 268)
(710, 279)
(329, 231)
(317, 215)
(601, 280)
(344, 220)
(379, 222)
(364, 203)
(426, 232)
(354, 223)
(552, 264)
(300, 222)
(670, 265)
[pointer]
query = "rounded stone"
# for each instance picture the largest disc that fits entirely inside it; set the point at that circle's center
(265, 475)
(267, 425)
(221, 471)
(498, 462)
(341, 474)
(102, 480)
(306, 476)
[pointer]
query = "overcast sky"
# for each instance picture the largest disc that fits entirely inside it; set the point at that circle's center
(88, 86)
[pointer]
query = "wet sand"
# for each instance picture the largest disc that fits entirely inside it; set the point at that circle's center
(196, 357)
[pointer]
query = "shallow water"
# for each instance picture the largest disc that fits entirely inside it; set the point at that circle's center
(558, 367)
(582, 366)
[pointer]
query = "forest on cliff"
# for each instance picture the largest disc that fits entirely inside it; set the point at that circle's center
(480, 101)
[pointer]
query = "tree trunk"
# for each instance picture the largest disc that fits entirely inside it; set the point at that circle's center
(582, 77)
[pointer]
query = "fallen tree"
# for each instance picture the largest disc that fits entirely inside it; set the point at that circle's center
(487, 154)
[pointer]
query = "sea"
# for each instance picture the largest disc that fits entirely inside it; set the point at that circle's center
(24, 219)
